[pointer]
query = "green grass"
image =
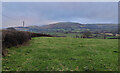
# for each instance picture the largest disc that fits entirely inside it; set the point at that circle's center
(63, 54)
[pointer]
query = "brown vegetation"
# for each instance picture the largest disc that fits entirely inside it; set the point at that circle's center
(12, 38)
(39, 35)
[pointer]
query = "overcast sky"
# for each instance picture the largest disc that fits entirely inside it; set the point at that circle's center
(43, 13)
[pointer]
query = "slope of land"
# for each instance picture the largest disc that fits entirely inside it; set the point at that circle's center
(70, 26)
(63, 54)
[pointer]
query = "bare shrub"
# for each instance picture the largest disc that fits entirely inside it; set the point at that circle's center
(12, 38)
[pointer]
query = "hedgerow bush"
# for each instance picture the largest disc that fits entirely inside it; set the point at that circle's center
(12, 38)
(40, 35)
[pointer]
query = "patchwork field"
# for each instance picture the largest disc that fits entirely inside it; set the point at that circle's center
(63, 54)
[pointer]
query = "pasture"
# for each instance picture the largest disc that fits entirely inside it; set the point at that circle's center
(63, 54)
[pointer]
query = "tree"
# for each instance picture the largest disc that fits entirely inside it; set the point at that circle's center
(87, 34)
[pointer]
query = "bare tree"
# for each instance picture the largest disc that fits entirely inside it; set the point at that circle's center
(87, 34)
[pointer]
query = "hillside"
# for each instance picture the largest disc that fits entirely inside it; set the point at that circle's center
(62, 25)
(52, 27)
(63, 54)
(70, 27)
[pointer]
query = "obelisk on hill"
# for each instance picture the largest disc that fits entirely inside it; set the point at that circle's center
(23, 23)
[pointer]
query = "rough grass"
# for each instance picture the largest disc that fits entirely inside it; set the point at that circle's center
(63, 54)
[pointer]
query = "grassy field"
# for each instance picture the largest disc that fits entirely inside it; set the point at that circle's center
(63, 54)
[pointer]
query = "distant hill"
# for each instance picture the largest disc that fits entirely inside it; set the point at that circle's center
(52, 27)
(62, 25)
(69, 26)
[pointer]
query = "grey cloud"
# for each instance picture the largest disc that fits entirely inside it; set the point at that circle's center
(46, 12)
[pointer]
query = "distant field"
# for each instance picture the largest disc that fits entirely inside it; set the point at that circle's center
(63, 54)
(64, 34)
